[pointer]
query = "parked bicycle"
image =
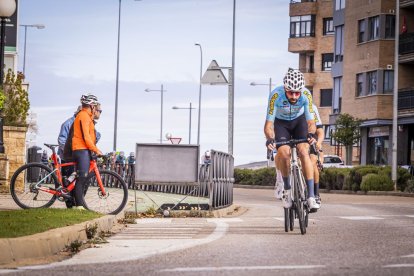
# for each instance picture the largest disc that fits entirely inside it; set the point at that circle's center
(35, 185)
(299, 207)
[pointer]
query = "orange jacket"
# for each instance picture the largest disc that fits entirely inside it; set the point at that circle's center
(84, 131)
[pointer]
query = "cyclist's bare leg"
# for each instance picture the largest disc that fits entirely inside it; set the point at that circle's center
(283, 164)
(307, 167)
(314, 159)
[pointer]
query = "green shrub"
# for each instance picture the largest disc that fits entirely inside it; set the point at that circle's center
(358, 172)
(263, 177)
(410, 186)
(376, 182)
(334, 178)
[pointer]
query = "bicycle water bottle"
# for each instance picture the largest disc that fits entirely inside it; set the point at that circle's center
(72, 177)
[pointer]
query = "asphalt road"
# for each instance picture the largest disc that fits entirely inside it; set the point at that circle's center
(350, 235)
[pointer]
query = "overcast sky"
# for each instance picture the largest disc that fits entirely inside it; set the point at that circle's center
(76, 54)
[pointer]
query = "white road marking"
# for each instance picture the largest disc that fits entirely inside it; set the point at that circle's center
(232, 268)
(408, 256)
(398, 265)
(361, 217)
(127, 250)
(410, 216)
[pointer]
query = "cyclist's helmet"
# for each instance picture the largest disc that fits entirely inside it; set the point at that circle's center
(207, 154)
(89, 99)
(132, 154)
(294, 80)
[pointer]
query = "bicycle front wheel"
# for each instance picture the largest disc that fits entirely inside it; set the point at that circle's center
(300, 208)
(27, 182)
(116, 193)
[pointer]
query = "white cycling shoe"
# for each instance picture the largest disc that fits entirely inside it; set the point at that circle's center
(313, 206)
(279, 189)
(287, 199)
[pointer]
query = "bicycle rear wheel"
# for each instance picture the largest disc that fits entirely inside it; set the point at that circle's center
(287, 219)
(292, 218)
(300, 209)
(25, 183)
(116, 193)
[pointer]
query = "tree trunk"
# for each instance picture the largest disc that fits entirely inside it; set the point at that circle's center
(348, 159)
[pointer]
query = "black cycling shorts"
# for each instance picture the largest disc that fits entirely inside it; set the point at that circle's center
(295, 129)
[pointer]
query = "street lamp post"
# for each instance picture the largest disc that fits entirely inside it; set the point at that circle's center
(162, 104)
(189, 128)
(7, 9)
(199, 93)
(25, 26)
(268, 84)
(117, 74)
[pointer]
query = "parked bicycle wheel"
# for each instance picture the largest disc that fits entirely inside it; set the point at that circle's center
(300, 209)
(116, 193)
(26, 182)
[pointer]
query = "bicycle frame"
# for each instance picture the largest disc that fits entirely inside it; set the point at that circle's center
(57, 171)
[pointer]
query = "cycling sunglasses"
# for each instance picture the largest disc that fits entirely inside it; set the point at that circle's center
(294, 93)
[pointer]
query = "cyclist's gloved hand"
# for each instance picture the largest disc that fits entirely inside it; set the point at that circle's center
(270, 144)
(311, 138)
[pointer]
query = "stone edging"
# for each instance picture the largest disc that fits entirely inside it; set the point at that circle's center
(51, 242)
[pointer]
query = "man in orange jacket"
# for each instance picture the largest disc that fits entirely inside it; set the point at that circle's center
(83, 143)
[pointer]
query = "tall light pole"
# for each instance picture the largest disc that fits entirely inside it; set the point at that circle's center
(117, 74)
(7, 9)
(199, 93)
(395, 98)
(189, 126)
(25, 26)
(231, 74)
(162, 104)
(267, 84)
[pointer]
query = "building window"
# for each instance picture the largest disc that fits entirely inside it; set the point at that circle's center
(359, 85)
(339, 5)
(326, 97)
(339, 43)
(388, 81)
(327, 60)
(373, 25)
(372, 82)
(390, 26)
(302, 26)
(361, 30)
(337, 95)
(328, 28)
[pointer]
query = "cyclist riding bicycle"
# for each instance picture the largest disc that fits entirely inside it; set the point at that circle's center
(314, 155)
(290, 116)
(84, 142)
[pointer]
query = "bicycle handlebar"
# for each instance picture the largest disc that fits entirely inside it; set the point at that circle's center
(292, 142)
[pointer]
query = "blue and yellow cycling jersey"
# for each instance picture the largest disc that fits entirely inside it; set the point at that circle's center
(279, 106)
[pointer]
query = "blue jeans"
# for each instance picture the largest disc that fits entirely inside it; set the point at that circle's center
(82, 159)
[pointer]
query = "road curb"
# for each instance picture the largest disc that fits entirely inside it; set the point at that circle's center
(49, 243)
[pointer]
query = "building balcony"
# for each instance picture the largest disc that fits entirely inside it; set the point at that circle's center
(301, 7)
(406, 48)
(406, 101)
(302, 44)
(403, 3)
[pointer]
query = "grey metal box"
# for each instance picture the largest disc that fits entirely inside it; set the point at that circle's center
(166, 163)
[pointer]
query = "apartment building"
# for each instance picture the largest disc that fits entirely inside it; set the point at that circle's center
(362, 72)
(312, 37)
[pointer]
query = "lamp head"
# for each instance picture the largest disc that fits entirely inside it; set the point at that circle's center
(39, 26)
(253, 83)
(175, 107)
(7, 8)
(147, 90)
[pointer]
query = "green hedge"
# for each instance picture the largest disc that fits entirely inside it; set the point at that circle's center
(376, 182)
(335, 178)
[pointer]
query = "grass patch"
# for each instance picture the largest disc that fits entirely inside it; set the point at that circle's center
(18, 223)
